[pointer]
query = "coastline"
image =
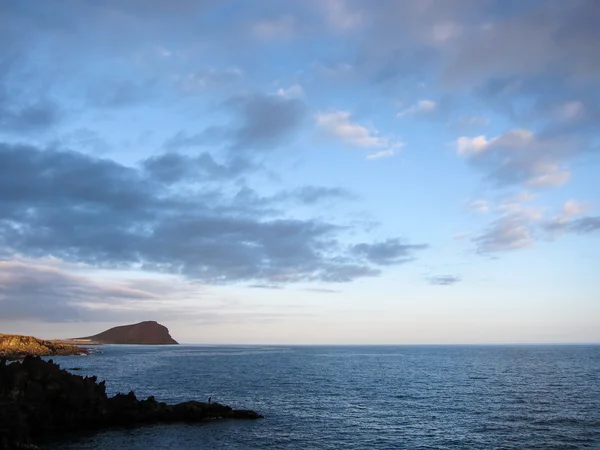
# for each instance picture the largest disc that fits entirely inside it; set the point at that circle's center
(15, 347)
(39, 400)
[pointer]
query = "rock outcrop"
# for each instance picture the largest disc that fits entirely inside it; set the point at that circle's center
(147, 333)
(39, 400)
(14, 346)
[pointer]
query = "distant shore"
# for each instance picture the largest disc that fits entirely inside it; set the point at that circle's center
(14, 346)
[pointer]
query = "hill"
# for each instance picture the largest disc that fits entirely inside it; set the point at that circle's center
(143, 333)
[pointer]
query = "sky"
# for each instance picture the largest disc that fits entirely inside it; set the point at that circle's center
(303, 171)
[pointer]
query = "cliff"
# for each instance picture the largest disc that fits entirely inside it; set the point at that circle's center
(39, 400)
(14, 346)
(143, 333)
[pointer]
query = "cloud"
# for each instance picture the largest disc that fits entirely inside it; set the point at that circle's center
(321, 290)
(209, 78)
(480, 206)
(339, 125)
(19, 111)
(382, 154)
(390, 251)
(121, 93)
(511, 231)
(264, 120)
(42, 291)
(586, 225)
(208, 136)
(422, 107)
(443, 280)
(571, 219)
(171, 168)
(294, 91)
(259, 122)
(315, 194)
(283, 27)
(473, 121)
(519, 157)
(519, 227)
(545, 38)
(339, 15)
(98, 212)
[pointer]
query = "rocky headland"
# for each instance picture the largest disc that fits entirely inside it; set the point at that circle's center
(39, 400)
(14, 346)
(143, 333)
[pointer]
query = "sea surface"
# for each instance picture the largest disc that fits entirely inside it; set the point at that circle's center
(375, 397)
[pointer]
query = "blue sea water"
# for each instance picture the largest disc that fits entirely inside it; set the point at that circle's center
(396, 397)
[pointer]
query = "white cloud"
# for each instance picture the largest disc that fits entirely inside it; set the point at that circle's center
(473, 121)
(282, 28)
(382, 154)
(294, 91)
(480, 206)
(573, 208)
(339, 124)
(339, 16)
(422, 107)
(445, 31)
(208, 77)
(467, 146)
(461, 236)
(548, 175)
(572, 110)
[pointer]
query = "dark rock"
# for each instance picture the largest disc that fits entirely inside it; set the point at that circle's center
(39, 400)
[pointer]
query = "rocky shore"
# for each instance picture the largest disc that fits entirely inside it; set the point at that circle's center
(39, 400)
(14, 346)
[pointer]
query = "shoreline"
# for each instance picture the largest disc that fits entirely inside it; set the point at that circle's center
(40, 401)
(15, 347)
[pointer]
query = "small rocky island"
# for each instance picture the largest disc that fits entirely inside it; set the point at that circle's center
(143, 333)
(39, 400)
(14, 346)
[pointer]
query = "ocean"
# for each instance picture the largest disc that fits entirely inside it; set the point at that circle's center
(358, 397)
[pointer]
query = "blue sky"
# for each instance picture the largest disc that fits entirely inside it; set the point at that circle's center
(329, 171)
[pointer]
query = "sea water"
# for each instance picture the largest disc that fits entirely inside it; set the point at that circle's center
(359, 397)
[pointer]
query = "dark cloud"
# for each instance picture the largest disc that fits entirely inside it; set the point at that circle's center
(259, 122)
(122, 93)
(586, 225)
(19, 110)
(315, 194)
(581, 225)
(443, 280)
(264, 120)
(182, 140)
(174, 167)
(550, 37)
(79, 208)
(390, 251)
(520, 157)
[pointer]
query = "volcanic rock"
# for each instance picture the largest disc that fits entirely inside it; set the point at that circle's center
(39, 400)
